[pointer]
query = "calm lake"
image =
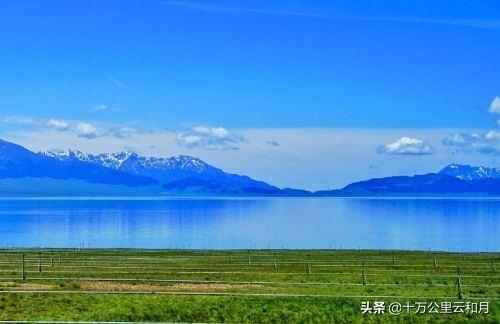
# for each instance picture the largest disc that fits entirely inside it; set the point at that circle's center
(436, 224)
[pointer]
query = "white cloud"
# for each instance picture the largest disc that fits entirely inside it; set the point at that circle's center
(83, 129)
(485, 143)
(87, 130)
(20, 120)
(103, 107)
(495, 106)
(59, 125)
(407, 146)
(214, 138)
(117, 82)
(99, 108)
(124, 132)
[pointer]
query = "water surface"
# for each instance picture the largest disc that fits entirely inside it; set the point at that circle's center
(437, 224)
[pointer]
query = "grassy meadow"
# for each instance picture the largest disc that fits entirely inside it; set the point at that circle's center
(242, 285)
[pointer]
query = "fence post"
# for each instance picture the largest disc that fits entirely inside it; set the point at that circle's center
(39, 262)
(248, 257)
(274, 260)
(308, 264)
(51, 258)
(23, 273)
(435, 263)
(364, 277)
(459, 288)
(494, 265)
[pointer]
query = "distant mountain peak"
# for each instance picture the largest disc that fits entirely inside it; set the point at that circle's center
(179, 169)
(189, 162)
(113, 160)
(183, 171)
(187, 175)
(65, 154)
(18, 162)
(116, 160)
(467, 172)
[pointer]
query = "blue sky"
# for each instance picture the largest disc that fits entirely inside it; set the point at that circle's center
(224, 79)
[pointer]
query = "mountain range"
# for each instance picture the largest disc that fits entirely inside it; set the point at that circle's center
(23, 172)
(74, 173)
(171, 173)
(452, 180)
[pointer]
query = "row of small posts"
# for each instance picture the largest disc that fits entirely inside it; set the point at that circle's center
(23, 262)
(458, 283)
(309, 262)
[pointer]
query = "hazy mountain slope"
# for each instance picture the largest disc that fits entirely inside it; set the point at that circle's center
(18, 162)
(436, 184)
(165, 170)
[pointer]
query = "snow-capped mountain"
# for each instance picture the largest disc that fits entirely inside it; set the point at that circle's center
(18, 162)
(122, 159)
(467, 172)
(452, 180)
(74, 172)
(23, 172)
(166, 170)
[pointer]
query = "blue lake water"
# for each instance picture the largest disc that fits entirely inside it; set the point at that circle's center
(437, 224)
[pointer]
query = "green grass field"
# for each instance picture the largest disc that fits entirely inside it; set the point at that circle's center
(245, 286)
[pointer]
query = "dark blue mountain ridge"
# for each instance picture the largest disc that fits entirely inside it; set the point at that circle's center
(18, 162)
(197, 185)
(181, 175)
(175, 173)
(452, 180)
(186, 175)
(428, 183)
